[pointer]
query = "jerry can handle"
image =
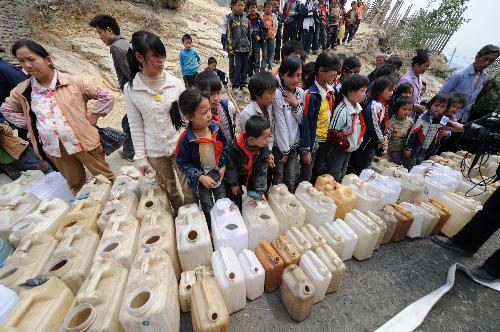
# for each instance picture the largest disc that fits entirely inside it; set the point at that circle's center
(96, 278)
(68, 240)
(145, 265)
(212, 316)
(229, 274)
(252, 266)
(25, 245)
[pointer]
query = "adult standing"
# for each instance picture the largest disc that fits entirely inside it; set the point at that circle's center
(10, 77)
(488, 99)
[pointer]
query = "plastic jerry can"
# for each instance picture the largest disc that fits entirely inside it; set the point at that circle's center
(97, 187)
(444, 215)
(194, 246)
(367, 231)
(319, 208)
(286, 250)
(229, 275)
(405, 219)
(430, 217)
(317, 272)
(297, 293)
(299, 241)
(125, 184)
(313, 235)
(261, 222)
(336, 236)
(350, 179)
(15, 210)
(462, 211)
(6, 249)
(412, 186)
(97, 305)
(273, 265)
(389, 187)
(334, 264)
(369, 197)
(122, 203)
(158, 231)
(416, 226)
(150, 299)
(72, 259)
(382, 227)
(387, 216)
(83, 213)
(8, 301)
(153, 198)
(343, 197)
(40, 308)
(23, 183)
(208, 309)
(53, 185)
(286, 207)
(119, 240)
(254, 274)
(228, 227)
(188, 279)
(131, 172)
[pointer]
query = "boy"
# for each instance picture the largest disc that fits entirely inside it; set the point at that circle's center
(321, 33)
(454, 127)
(189, 60)
(238, 43)
(212, 66)
(333, 25)
(271, 21)
(309, 13)
(350, 22)
(279, 31)
(361, 8)
(258, 32)
(109, 31)
(248, 161)
(291, 15)
(223, 40)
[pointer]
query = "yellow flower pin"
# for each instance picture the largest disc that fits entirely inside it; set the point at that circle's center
(157, 98)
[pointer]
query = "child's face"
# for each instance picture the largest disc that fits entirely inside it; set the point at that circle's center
(455, 108)
(268, 9)
(405, 111)
(107, 35)
(260, 141)
(407, 93)
(267, 98)
(214, 99)
(353, 5)
(239, 7)
(187, 44)
(379, 61)
(387, 93)
(326, 76)
(252, 9)
(212, 66)
(202, 116)
(438, 108)
(357, 96)
(292, 81)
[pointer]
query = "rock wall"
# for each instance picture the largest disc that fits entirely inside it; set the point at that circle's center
(14, 23)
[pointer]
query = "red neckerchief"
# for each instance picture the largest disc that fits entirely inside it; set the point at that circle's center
(216, 114)
(386, 112)
(250, 154)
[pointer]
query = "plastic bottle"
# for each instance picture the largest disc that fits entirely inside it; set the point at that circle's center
(317, 272)
(416, 226)
(319, 208)
(125, 184)
(15, 210)
(188, 279)
(299, 241)
(286, 250)
(343, 197)
(287, 209)
(53, 185)
(297, 293)
(412, 186)
(369, 197)
(342, 240)
(273, 265)
(405, 219)
(462, 211)
(313, 236)
(389, 187)
(367, 231)
(208, 309)
(228, 228)
(83, 213)
(153, 197)
(260, 221)
(8, 301)
(333, 262)
(122, 203)
(254, 274)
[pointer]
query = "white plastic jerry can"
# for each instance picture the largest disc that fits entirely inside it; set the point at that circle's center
(430, 217)
(416, 227)
(153, 198)
(313, 235)
(8, 301)
(82, 212)
(229, 275)
(51, 186)
(15, 210)
(333, 237)
(188, 279)
(462, 211)
(208, 310)
(286, 207)
(125, 184)
(333, 263)
(228, 228)
(382, 227)
(22, 184)
(367, 232)
(349, 239)
(317, 272)
(254, 274)
(369, 197)
(299, 241)
(319, 208)
(261, 222)
(97, 188)
(150, 299)
(121, 203)
(412, 186)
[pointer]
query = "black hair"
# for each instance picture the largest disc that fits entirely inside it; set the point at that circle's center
(326, 61)
(387, 70)
(105, 21)
(402, 88)
(234, 2)
(350, 63)
(458, 98)
(395, 60)
(290, 65)
(185, 37)
(251, 3)
(2, 50)
(307, 72)
(208, 81)
(255, 126)
(260, 82)
(142, 41)
(439, 98)
(212, 60)
(424, 83)
(342, 57)
(30, 45)
(421, 57)
(488, 49)
(400, 102)
(268, 3)
(354, 83)
(379, 85)
(291, 46)
(187, 103)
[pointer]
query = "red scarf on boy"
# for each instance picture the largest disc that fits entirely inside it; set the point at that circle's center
(250, 154)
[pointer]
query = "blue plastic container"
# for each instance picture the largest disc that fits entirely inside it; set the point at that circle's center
(6, 249)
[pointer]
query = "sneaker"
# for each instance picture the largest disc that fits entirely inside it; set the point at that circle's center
(127, 158)
(483, 275)
(448, 244)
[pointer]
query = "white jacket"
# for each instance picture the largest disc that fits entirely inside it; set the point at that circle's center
(254, 109)
(287, 121)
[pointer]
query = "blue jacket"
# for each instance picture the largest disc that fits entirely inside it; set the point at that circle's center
(258, 27)
(376, 128)
(188, 153)
(426, 127)
(190, 61)
(10, 77)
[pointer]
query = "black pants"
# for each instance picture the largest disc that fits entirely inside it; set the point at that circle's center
(128, 145)
(320, 160)
(189, 80)
(277, 50)
(481, 227)
(290, 31)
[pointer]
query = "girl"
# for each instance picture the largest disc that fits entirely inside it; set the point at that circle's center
(289, 100)
(402, 90)
(148, 98)
(201, 148)
(347, 126)
(399, 127)
(318, 105)
(53, 107)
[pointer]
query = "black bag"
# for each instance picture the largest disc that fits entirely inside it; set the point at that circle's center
(111, 139)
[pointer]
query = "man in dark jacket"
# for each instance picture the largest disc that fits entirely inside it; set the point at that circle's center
(10, 77)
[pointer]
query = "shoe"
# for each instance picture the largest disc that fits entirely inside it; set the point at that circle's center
(448, 244)
(127, 158)
(483, 275)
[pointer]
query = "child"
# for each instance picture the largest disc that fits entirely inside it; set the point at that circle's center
(350, 22)
(238, 43)
(201, 148)
(279, 31)
(333, 25)
(212, 66)
(379, 62)
(321, 34)
(426, 133)
(258, 32)
(402, 90)
(307, 16)
(347, 126)
(223, 110)
(318, 105)
(291, 13)
(271, 21)
(189, 60)
(342, 32)
(361, 8)
(307, 72)
(288, 114)
(223, 40)
(248, 161)
(454, 128)
(399, 127)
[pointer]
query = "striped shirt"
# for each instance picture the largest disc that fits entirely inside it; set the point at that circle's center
(398, 132)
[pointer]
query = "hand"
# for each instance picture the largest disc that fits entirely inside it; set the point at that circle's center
(380, 145)
(284, 159)
(290, 98)
(407, 153)
(307, 158)
(145, 169)
(271, 161)
(92, 118)
(257, 38)
(442, 133)
(7, 130)
(235, 189)
(207, 181)
(222, 171)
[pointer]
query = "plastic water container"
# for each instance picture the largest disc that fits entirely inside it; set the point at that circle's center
(444, 215)
(369, 197)
(286, 250)
(82, 213)
(28, 260)
(188, 279)
(383, 166)
(334, 264)
(158, 231)
(430, 217)
(343, 197)
(40, 308)
(317, 272)
(122, 203)
(367, 231)
(436, 185)
(412, 186)
(254, 274)
(22, 184)
(132, 172)
(72, 259)
(208, 309)
(44, 219)
(125, 184)
(98, 188)
(405, 219)
(273, 265)
(350, 179)
(349, 239)
(97, 305)
(334, 238)
(313, 235)
(387, 216)
(382, 227)
(297, 293)
(462, 211)
(390, 188)
(6, 249)
(416, 226)
(8, 301)
(286, 207)
(228, 228)
(53, 185)
(299, 241)
(153, 197)
(476, 189)
(150, 299)
(260, 221)
(319, 208)
(119, 240)
(229, 275)
(194, 246)
(15, 210)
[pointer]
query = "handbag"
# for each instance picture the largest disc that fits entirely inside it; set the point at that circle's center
(339, 139)
(111, 139)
